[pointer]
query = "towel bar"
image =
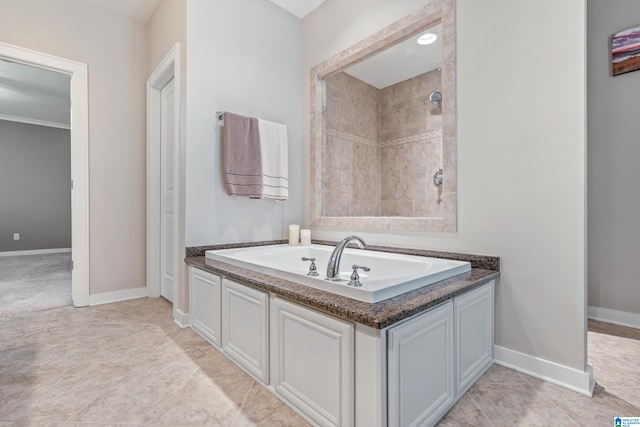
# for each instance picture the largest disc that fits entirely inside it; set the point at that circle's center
(220, 115)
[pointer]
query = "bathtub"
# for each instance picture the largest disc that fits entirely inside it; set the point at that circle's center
(390, 275)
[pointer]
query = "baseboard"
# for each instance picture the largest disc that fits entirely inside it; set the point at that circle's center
(563, 376)
(183, 320)
(107, 297)
(614, 316)
(36, 252)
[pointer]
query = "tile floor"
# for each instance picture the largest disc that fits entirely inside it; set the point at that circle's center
(136, 367)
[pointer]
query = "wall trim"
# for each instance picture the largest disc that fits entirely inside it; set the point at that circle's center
(36, 122)
(182, 319)
(617, 317)
(35, 252)
(563, 376)
(115, 296)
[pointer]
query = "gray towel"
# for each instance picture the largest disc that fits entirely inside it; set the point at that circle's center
(241, 153)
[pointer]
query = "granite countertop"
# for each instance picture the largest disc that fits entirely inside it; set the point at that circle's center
(377, 315)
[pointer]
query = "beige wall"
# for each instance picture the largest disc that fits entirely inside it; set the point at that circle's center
(521, 156)
(115, 49)
(614, 228)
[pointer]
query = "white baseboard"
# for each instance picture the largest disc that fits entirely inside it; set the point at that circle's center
(36, 252)
(564, 376)
(107, 297)
(183, 320)
(614, 316)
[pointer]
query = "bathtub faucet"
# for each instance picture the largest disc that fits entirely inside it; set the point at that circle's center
(333, 268)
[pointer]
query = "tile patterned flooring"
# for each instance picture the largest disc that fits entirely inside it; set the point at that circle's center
(135, 367)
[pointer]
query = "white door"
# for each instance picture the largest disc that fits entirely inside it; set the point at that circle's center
(167, 188)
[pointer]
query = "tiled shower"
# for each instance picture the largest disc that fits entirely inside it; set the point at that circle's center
(383, 147)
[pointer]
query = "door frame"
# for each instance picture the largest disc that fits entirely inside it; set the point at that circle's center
(169, 68)
(79, 158)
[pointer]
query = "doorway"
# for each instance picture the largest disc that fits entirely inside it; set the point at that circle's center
(163, 189)
(79, 137)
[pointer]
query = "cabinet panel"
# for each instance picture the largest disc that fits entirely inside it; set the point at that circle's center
(474, 335)
(312, 363)
(421, 368)
(205, 304)
(245, 324)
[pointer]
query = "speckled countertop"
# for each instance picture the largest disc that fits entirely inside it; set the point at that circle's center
(377, 315)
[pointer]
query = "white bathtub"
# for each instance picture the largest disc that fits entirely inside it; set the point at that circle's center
(391, 274)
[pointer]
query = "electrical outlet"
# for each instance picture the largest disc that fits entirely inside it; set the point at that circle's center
(16, 236)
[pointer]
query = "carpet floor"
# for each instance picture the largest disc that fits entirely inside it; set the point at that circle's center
(34, 282)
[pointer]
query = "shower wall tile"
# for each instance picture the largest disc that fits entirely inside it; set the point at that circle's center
(404, 122)
(391, 187)
(397, 208)
(336, 207)
(365, 208)
(364, 178)
(427, 155)
(410, 92)
(449, 165)
(416, 185)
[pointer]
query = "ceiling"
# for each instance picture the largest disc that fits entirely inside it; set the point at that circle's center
(400, 62)
(142, 10)
(34, 95)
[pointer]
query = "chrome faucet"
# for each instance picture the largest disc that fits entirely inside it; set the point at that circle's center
(333, 268)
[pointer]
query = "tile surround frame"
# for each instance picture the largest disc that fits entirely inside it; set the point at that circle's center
(434, 12)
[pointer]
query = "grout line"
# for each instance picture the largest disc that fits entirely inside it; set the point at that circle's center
(479, 408)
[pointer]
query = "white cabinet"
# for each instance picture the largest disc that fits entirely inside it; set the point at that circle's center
(205, 304)
(312, 363)
(421, 368)
(245, 327)
(473, 314)
(337, 373)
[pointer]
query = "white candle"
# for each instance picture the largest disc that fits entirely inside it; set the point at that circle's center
(305, 237)
(294, 234)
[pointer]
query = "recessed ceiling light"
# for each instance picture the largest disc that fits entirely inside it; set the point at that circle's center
(426, 39)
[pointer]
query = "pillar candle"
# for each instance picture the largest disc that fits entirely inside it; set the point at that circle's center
(294, 234)
(305, 237)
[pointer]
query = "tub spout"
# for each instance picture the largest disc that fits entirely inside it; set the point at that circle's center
(333, 268)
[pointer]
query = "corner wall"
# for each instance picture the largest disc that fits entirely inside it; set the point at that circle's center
(247, 63)
(521, 157)
(115, 49)
(614, 176)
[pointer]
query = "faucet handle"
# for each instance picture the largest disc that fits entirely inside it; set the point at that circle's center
(355, 277)
(313, 270)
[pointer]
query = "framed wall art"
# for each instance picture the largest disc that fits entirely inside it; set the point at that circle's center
(625, 51)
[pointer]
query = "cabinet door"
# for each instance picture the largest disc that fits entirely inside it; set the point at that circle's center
(420, 368)
(312, 363)
(205, 304)
(245, 327)
(474, 335)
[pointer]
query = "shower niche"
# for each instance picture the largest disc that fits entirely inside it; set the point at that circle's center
(383, 129)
